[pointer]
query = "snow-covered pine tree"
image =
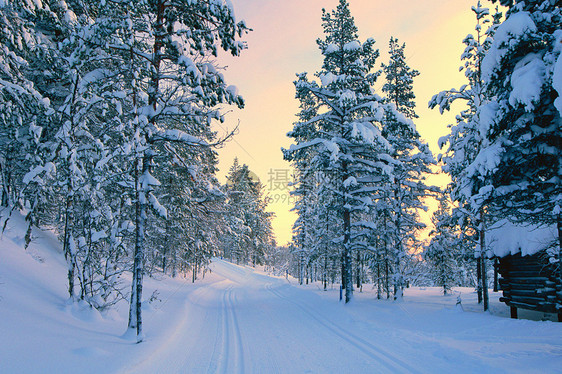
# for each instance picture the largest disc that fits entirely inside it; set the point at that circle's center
(522, 153)
(237, 238)
(399, 85)
(187, 238)
(466, 138)
(166, 88)
(347, 140)
(324, 225)
(250, 232)
(21, 105)
(441, 254)
(63, 144)
(29, 90)
(412, 159)
(305, 201)
(303, 190)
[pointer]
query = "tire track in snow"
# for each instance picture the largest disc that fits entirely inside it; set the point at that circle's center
(393, 363)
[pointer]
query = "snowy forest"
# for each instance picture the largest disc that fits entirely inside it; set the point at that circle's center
(106, 136)
(109, 114)
(361, 166)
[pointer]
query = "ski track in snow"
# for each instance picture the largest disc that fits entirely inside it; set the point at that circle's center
(229, 339)
(392, 362)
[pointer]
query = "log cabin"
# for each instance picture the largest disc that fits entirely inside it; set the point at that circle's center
(529, 269)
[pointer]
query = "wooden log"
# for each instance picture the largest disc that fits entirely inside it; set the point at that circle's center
(505, 287)
(531, 267)
(521, 305)
(546, 308)
(546, 291)
(528, 280)
(513, 312)
(524, 293)
(528, 274)
(527, 286)
(528, 299)
(515, 261)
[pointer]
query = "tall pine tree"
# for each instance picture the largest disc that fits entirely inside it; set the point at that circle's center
(349, 148)
(412, 158)
(523, 140)
(466, 138)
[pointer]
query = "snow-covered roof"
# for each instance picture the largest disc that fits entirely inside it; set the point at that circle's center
(505, 238)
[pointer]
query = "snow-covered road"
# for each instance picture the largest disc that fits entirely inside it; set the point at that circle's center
(246, 322)
(241, 320)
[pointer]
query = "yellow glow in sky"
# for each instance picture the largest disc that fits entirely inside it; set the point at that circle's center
(283, 43)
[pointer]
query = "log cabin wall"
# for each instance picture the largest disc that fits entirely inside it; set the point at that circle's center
(530, 282)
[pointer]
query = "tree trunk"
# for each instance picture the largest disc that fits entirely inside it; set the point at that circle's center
(68, 255)
(496, 264)
(443, 275)
(559, 224)
(379, 284)
(386, 271)
(483, 269)
(325, 275)
(342, 263)
(301, 270)
(5, 172)
(194, 271)
(166, 245)
(398, 282)
(347, 271)
(358, 270)
(479, 279)
(135, 310)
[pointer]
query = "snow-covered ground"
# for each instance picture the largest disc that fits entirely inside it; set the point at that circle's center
(241, 320)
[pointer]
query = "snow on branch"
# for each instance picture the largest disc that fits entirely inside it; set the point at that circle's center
(159, 208)
(515, 26)
(178, 136)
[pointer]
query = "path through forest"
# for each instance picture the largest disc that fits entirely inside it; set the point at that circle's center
(241, 320)
(247, 322)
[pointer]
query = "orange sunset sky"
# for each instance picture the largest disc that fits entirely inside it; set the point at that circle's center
(283, 43)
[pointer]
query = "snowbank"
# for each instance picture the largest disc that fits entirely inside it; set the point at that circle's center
(43, 332)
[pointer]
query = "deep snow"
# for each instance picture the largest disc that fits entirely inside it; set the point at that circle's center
(241, 320)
